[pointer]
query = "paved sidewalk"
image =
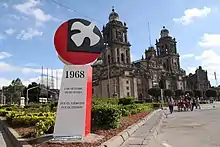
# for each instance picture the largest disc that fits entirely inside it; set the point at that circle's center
(140, 138)
(4, 141)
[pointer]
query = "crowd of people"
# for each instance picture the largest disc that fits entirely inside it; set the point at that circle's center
(185, 103)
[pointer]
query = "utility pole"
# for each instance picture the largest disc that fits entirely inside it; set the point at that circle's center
(47, 83)
(42, 76)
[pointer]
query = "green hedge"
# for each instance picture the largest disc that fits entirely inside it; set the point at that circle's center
(126, 101)
(22, 118)
(106, 116)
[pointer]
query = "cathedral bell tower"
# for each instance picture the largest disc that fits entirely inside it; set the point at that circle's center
(167, 51)
(116, 40)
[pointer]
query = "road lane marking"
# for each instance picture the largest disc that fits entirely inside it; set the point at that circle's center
(166, 145)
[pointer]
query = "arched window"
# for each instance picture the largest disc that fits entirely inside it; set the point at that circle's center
(109, 59)
(126, 52)
(118, 59)
(122, 57)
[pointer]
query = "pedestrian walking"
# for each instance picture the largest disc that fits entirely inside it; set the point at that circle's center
(170, 104)
(197, 103)
(193, 103)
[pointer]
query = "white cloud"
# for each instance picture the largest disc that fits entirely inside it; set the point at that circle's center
(31, 65)
(4, 5)
(210, 40)
(186, 56)
(209, 60)
(31, 8)
(29, 34)
(4, 55)
(10, 31)
(16, 17)
(5, 67)
(191, 14)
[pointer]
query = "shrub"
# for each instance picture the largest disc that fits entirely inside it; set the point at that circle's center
(211, 93)
(106, 116)
(156, 105)
(141, 108)
(168, 92)
(33, 105)
(139, 102)
(126, 101)
(156, 92)
(24, 119)
(190, 92)
(134, 109)
(3, 112)
(45, 126)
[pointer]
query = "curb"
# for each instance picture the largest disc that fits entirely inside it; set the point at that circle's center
(150, 140)
(12, 135)
(119, 139)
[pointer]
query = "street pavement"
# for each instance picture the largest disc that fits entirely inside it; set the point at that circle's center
(199, 128)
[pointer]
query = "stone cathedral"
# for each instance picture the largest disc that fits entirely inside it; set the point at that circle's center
(114, 75)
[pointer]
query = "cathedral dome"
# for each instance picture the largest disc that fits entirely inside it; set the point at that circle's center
(164, 32)
(113, 15)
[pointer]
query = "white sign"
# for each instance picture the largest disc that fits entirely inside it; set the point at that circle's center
(71, 110)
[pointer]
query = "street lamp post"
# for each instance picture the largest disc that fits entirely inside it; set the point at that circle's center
(28, 91)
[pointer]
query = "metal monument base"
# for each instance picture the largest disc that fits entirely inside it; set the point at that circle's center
(91, 138)
(67, 139)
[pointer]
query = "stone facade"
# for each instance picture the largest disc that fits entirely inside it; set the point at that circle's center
(198, 80)
(1, 96)
(114, 75)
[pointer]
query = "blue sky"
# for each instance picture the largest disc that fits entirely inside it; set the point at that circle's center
(27, 28)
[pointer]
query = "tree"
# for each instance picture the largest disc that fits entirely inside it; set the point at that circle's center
(33, 94)
(168, 92)
(179, 92)
(155, 92)
(190, 92)
(14, 91)
(197, 93)
(211, 93)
